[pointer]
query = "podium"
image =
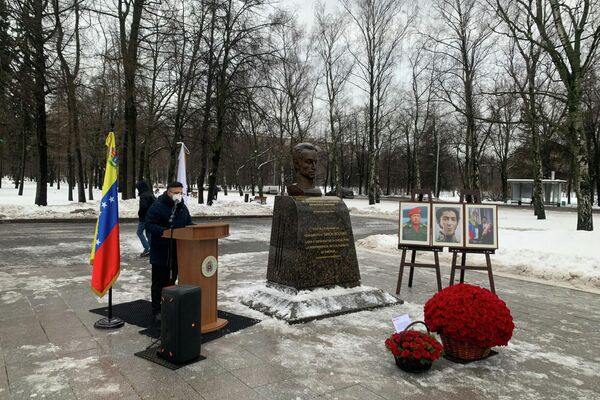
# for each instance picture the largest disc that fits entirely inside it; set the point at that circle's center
(197, 254)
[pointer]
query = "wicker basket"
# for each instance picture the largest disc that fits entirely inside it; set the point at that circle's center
(463, 350)
(410, 364)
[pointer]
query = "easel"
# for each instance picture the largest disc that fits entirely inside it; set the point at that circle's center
(471, 197)
(417, 196)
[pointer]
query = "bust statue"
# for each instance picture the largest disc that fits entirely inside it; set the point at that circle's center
(305, 158)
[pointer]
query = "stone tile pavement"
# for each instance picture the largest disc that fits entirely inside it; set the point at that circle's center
(49, 348)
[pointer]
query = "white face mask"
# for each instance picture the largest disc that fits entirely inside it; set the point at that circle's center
(177, 197)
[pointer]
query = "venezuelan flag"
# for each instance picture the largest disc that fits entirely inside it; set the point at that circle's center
(106, 256)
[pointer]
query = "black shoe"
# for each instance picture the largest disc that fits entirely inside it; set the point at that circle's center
(145, 253)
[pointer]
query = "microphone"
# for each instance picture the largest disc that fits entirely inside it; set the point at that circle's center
(176, 201)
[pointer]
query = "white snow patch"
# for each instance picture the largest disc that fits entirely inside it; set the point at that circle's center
(37, 351)
(378, 242)
(35, 284)
(531, 351)
(50, 376)
(11, 297)
(13, 206)
(109, 388)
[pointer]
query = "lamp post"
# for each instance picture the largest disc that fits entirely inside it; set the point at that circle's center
(260, 179)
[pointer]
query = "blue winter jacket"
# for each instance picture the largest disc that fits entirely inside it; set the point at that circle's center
(157, 220)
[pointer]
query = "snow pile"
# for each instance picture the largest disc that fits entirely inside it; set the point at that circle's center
(305, 305)
(378, 242)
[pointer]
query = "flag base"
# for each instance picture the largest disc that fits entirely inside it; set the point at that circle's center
(109, 323)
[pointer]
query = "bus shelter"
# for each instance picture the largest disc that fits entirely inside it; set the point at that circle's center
(522, 191)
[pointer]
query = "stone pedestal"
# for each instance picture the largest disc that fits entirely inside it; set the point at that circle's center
(301, 306)
(312, 244)
(313, 272)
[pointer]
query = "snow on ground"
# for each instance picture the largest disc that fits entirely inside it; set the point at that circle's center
(551, 250)
(13, 206)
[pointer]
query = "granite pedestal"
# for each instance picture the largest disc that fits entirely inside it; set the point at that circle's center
(312, 269)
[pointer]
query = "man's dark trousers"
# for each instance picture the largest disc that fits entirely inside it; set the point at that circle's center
(161, 277)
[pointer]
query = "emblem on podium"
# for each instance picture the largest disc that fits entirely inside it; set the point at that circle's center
(209, 266)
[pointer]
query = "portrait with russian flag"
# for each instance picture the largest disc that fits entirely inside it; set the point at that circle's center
(106, 256)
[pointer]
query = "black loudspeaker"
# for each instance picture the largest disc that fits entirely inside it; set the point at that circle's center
(180, 323)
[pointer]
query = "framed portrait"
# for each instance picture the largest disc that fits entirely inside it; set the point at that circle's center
(481, 226)
(415, 223)
(447, 223)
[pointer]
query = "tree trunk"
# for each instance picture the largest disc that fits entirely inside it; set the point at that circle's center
(208, 106)
(597, 167)
(595, 151)
(417, 166)
(142, 164)
(21, 178)
(91, 183)
(580, 170)
(39, 66)
(200, 184)
(504, 179)
(532, 116)
(389, 176)
(70, 167)
(74, 114)
(129, 47)
(27, 127)
(538, 201)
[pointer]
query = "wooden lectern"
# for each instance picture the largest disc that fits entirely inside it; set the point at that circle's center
(196, 244)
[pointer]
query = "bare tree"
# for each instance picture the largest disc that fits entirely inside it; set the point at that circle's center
(240, 30)
(32, 24)
(155, 89)
(329, 31)
(6, 56)
(465, 45)
(528, 87)
(592, 126)
(381, 27)
(567, 34)
(69, 78)
(419, 107)
(292, 74)
(129, 11)
(504, 111)
(210, 74)
(185, 64)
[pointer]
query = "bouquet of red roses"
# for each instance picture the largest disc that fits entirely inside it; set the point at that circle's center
(414, 345)
(470, 314)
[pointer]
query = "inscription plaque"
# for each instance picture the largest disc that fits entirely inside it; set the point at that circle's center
(312, 244)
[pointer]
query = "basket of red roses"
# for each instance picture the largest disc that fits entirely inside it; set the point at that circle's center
(470, 320)
(414, 351)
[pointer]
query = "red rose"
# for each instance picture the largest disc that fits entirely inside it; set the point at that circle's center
(470, 313)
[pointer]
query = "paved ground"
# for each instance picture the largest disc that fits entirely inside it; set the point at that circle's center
(49, 348)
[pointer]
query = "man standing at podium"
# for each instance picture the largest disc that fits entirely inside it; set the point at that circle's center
(168, 211)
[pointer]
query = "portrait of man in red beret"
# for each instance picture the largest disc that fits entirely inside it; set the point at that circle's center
(414, 229)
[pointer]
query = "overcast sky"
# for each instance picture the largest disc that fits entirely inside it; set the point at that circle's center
(304, 9)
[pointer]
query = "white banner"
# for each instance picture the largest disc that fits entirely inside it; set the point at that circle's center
(181, 175)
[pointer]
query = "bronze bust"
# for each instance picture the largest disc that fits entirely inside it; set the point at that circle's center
(305, 158)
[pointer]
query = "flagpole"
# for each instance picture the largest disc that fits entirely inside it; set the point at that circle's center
(109, 322)
(105, 257)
